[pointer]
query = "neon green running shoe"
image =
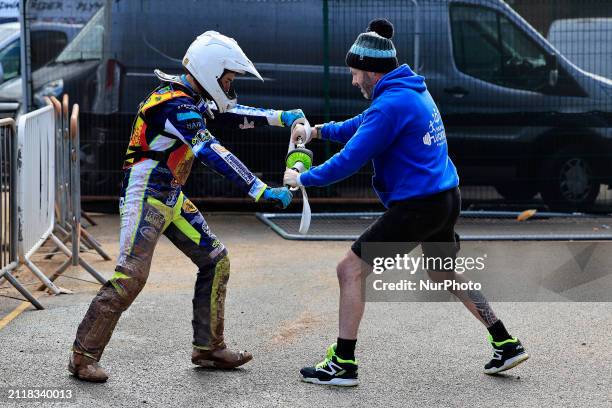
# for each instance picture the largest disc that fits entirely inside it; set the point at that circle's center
(506, 354)
(332, 371)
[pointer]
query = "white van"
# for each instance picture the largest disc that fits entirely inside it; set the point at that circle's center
(47, 41)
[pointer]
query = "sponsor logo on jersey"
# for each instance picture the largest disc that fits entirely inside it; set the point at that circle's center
(154, 218)
(189, 207)
(234, 163)
(247, 124)
(202, 136)
(193, 125)
(149, 233)
(181, 116)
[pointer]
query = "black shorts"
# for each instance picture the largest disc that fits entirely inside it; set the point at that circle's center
(429, 221)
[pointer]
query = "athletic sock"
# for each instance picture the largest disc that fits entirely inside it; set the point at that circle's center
(498, 331)
(345, 349)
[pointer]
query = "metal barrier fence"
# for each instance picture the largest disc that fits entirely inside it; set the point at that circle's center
(36, 186)
(47, 138)
(8, 208)
(518, 85)
(69, 207)
(68, 188)
(472, 226)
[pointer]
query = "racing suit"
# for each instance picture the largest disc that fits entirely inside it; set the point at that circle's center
(168, 132)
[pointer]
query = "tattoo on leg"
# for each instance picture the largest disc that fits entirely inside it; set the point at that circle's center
(481, 304)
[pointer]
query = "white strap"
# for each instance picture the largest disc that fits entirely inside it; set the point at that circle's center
(306, 214)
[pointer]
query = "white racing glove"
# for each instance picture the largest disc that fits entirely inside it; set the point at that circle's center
(298, 130)
(292, 178)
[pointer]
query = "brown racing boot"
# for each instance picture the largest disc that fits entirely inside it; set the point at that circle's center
(223, 358)
(86, 368)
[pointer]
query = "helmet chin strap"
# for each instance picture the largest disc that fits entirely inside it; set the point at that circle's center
(207, 103)
(205, 98)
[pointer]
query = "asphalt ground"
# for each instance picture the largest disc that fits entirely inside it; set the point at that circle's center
(282, 306)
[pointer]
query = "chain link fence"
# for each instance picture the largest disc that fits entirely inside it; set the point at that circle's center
(524, 87)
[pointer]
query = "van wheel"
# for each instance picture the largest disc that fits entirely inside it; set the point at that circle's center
(517, 191)
(568, 181)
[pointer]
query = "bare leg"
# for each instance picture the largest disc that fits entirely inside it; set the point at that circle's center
(352, 304)
(473, 300)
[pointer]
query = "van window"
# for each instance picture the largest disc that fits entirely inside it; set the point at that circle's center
(87, 45)
(7, 30)
(490, 47)
(46, 44)
(10, 58)
(587, 42)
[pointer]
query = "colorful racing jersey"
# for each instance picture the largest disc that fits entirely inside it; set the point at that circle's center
(169, 132)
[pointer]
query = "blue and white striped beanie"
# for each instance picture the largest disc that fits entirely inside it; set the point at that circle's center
(373, 50)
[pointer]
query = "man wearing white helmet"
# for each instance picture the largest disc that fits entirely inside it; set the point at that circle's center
(169, 131)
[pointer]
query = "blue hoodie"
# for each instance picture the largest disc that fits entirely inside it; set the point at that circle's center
(402, 133)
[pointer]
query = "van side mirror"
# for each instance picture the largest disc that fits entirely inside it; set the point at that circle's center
(1, 73)
(553, 70)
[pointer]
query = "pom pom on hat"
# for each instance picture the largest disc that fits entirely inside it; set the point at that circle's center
(382, 27)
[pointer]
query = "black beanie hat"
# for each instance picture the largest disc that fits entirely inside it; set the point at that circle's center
(373, 50)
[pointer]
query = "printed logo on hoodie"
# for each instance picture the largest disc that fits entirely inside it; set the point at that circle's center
(436, 133)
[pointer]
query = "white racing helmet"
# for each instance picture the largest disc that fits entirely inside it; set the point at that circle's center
(208, 57)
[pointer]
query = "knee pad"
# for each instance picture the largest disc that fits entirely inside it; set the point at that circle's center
(211, 274)
(222, 268)
(223, 255)
(126, 287)
(204, 261)
(219, 280)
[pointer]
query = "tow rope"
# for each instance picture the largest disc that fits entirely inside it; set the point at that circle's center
(300, 159)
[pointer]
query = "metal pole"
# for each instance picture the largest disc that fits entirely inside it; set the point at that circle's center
(81, 261)
(75, 185)
(42, 276)
(23, 291)
(65, 160)
(417, 36)
(326, 80)
(91, 241)
(268, 219)
(26, 72)
(13, 196)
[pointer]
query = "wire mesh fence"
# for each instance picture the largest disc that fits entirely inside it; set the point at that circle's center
(524, 87)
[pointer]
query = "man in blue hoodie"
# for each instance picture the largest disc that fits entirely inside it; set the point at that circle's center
(403, 135)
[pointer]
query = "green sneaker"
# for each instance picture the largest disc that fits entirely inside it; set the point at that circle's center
(506, 354)
(332, 371)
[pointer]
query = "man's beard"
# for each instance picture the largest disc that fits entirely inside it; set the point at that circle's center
(364, 93)
(367, 88)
